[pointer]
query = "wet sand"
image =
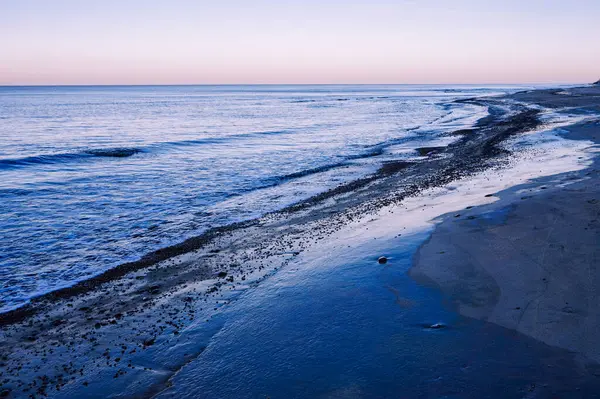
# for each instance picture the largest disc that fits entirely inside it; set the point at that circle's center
(340, 325)
(130, 331)
(529, 262)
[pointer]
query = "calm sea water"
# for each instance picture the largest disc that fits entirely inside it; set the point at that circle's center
(91, 177)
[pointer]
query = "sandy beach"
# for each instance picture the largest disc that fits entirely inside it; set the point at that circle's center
(532, 268)
(473, 257)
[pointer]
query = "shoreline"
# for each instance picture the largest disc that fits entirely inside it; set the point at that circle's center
(528, 261)
(178, 301)
(400, 319)
(522, 121)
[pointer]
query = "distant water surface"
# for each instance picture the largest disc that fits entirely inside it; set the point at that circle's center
(91, 177)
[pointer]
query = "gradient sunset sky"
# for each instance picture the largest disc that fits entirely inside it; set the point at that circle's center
(310, 41)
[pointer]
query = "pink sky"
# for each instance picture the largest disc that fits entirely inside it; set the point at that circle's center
(187, 42)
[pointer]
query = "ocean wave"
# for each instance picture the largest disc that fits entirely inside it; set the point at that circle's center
(114, 152)
(308, 172)
(50, 159)
(221, 139)
(125, 152)
(375, 151)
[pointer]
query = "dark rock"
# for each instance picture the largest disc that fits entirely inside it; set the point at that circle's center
(424, 151)
(463, 132)
(596, 83)
(437, 326)
(155, 289)
(57, 322)
(391, 167)
(382, 260)
(222, 274)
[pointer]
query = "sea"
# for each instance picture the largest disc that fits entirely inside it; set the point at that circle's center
(95, 176)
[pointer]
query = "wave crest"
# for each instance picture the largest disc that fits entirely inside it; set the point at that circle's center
(50, 159)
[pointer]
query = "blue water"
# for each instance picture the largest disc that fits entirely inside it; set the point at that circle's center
(91, 177)
(346, 327)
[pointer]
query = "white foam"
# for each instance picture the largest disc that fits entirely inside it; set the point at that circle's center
(537, 154)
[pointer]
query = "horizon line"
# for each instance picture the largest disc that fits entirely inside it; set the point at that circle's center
(292, 84)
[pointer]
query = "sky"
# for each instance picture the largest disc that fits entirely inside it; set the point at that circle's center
(311, 41)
